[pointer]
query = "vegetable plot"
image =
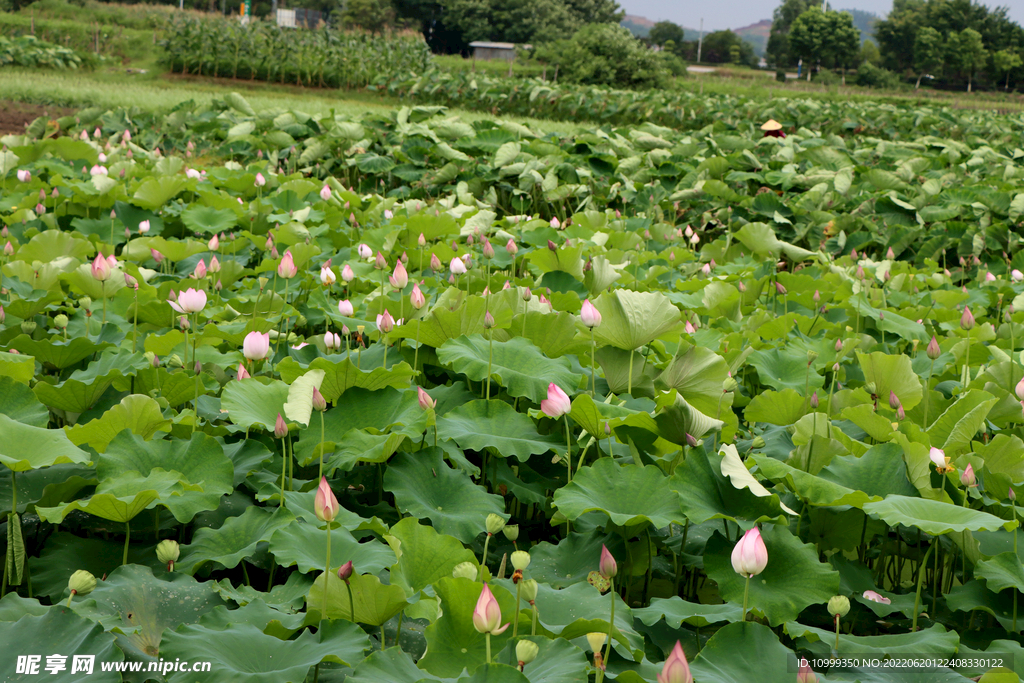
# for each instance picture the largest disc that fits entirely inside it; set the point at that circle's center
(267, 403)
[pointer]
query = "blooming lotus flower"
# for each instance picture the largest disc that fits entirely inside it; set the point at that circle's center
(242, 372)
(676, 669)
(938, 456)
(260, 180)
(256, 346)
(417, 299)
(608, 567)
(557, 403)
(364, 251)
(24, 175)
(457, 266)
(200, 272)
(875, 597)
(286, 268)
(346, 273)
(385, 323)
(327, 277)
(435, 263)
(332, 340)
(214, 265)
(346, 308)
(967, 478)
(388, 215)
(967, 319)
(487, 614)
(750, 556)
(325, 193)
(400, 278)
(590, 316)
(325, 505)
(1016, 275)
(189, 301)
(97, 170)
(100, 268)
(426, 402)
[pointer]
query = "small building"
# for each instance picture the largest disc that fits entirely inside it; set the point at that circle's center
(487, 50)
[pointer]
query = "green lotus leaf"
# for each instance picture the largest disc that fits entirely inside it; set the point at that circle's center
(25, 447)
(697, 374)
(592, 416)
(14, 607)
(84, 388)
(793, 579)
(154, 192)
(305, 547)
(954, 429)
(198, 218)
(776, 407)
(783, 369)
(424, 556)
(65, 552)
(299, 406)
(254, 402)
(375, 602)
(627, 494)
(558, 661)
(891, 374)
(738, 649)
(933, 641)
(631, 319)
(495, 424)
(568, 562)
(706, 493)
(60, 631)
(676, 611)
(580, 609)
(344, 374)
(19, 367)
(813, 489)
(517, 365)
(44, 487)
(19, 403)
(51, 245)
(121, 498)
(271, 621)
(761, 240)
(934, 517)
(234, 540)
(975, 595)
(1001, 572)
(676, 419)
(140, 414)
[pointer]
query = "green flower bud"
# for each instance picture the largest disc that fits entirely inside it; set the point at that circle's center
(729, 384)
(465, 570)
(85, 302)
(494, 523)
(839, 606)
(167, 551)
(175, 361)
(300, 321)
(526, 651)
(520, 559)
(60, 321)
(528, 588)
(82, 582)
(511, 532)
(758, 442)
(28, 327)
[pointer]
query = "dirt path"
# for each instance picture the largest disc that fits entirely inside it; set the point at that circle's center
(14, 116)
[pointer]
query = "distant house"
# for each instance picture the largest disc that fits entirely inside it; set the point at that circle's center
(486, 50)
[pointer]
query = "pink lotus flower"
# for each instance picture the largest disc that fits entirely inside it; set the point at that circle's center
(457, 266)
(1019, 389)
(608, 567)
(214, 243)
(100, 268)
(695, 239)
(967, 478)
(426, 402)
(400, 278)
(189, 301)
(214, 265)
(938, 456)
(689, 328)
(676, 668)
(417, 299)
(325, 193)
(112, 261)
(242, 372)
(557, 403)
(511, 247)
(875, 597)
(933, 351)
(435, 263)
(260, 180)
(555, 223)
(157, 256)
(327, 277)
(590, 316)
(24, 175)
(280, 428)
(1016, 275)
(325, 505)
(346, 273)
(286, 268)
(750, 556)
(487, 614)
(364, 251)
(130, 281)
(319, 403)
(200, 272)
(8, 249)
(805, 674)
(967, 319)
(256, 346)
(380, 263)
(346, 308)
(488, 250)
(385, 323)
(332, 340)
(345, 571)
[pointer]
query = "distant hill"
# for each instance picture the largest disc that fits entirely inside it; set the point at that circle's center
(865, 23)
(641, 27)
(757, 35)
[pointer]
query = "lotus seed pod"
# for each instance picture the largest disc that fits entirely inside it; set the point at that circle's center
(528, 588)
(494, 523)
(839, 606)
(526, 651)
(465, 570)
(28, 327)
(60, 321)
(596, 640)
(520, 559)
(511, 532)
(167, 551)
(82, 582)
(729, 384)
(758, 442)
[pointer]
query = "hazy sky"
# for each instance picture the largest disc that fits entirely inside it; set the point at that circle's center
(723, 14)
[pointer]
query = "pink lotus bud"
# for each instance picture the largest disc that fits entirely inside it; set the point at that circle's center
(325, 193)
(875, 597)
(435, 263)
(750, 556)
(805, 674)
(706, 269)
(488, 250)
(933, 351)
(814, 401)
(1011, 495)
(421, 241)
(487, 614)
(388, 215)
(24, 175)
(200, 272)
(607, 566)
(527, 294)
(695, 239)
(488, 320)
(189, 301)
(8, 249)
(214, 265)
(676, 669)
(346, 308)
(325, 505)
(780, 288)
(590, 316)
(890, 254)
(426, 402)
(345, 571)
(100, 268)
(555, 223)
(280, 428)
(967, 319)
(416, 298)
(839, 345)
(286, 268)
(112, 261)
(1016, 275)
(689, 328)
(256, 346)
(967, 477)
(511, 247)
(901, 414)
(157, 256)
(380, 263)
(269, 244)
(130, 281)
(260, 180)
(457, 266)
(400, 278)
(332, 341)
(183, 322)
(557, 403)
(197, 368)
(894, 400)
(989, 277)
(385, 323)
(327, 277)
(242, 372)
(507, 285)
(214, 243)
(346, 273)
(552, 246)
(938, 456)
(405, 257)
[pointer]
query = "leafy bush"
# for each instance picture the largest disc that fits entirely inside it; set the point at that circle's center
(80, 36)
(606, 54)
(780, 75)
(827, 77)
(30, 51)
(877, 77)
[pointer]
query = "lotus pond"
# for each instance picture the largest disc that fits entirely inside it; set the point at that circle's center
(402, 398)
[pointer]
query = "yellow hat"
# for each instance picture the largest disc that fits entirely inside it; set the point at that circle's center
(771, 124)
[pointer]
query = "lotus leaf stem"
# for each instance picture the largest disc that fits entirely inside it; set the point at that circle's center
(611, 620)
(920, 580)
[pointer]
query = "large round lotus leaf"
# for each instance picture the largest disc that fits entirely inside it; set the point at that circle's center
(305, 546)
(14, 607)
(453, 644)
(65, 552)
(58, 631)
(676, 611)
(375, 602)
(783, 369)
(932, 641)
(975, 595)
(558, 661)
(593, 416)
(254, 402)
(25, 447)
(792, 580)
(391, 665)
(517, 365)
(954, 429)
(495, 673)
(234, 540)
(776, 407)
(891, 374)
(814, 490)
(934, 517)
(677, 419)
(343, 374)
(44, 487)
(697, 374)
(631, 319)
(581, 609)
(705, 493)
(427, 488)
(60, 354)
(495, 424)
(627, 494)
(140, 606)
(739, 650)
(568, 562)
(424, 556)
(1001, 572)
(122, 498)
(271, 621)
(21, 405)
(140, 414)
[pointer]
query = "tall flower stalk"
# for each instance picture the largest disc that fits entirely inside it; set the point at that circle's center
(749, 558)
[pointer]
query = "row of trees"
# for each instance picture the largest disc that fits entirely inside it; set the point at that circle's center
(717, 47)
